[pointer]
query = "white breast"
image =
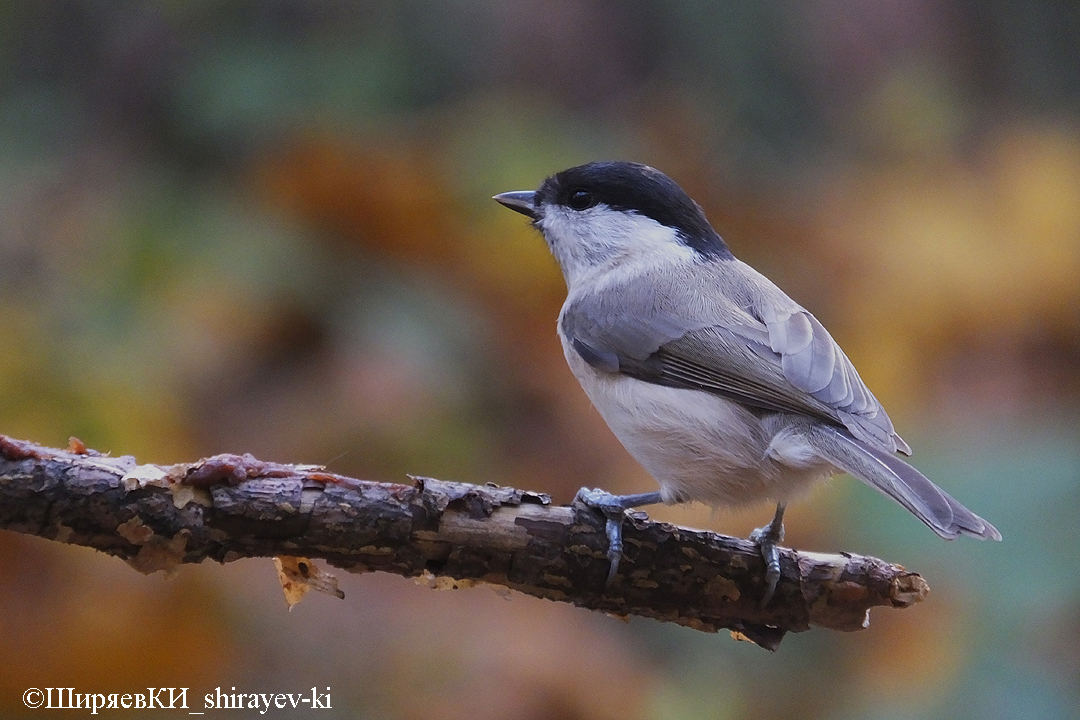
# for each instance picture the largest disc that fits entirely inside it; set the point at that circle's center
(700, 446)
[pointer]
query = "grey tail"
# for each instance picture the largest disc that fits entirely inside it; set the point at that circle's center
(903, 483)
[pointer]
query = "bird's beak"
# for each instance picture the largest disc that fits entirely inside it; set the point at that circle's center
(519, 201)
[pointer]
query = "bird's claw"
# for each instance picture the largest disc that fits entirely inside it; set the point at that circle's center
(614, 508)
(615, 512)
(615, 548)
(601, 500)
(771, 555)
(767, 539)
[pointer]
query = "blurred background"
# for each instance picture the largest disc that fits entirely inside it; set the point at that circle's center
(265, 226)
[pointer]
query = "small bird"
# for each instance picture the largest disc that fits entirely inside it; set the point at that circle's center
(726, 390)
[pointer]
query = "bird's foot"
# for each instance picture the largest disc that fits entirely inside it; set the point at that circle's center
(767, 539)
(614, 508)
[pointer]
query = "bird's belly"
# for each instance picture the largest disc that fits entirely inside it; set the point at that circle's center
(700, 446)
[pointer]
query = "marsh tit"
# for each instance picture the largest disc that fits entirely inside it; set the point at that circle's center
(726, 390)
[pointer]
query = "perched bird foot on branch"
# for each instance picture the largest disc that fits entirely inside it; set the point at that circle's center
(766, 538)
(614, 508)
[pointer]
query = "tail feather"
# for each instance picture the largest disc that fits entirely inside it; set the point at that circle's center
(903, 483)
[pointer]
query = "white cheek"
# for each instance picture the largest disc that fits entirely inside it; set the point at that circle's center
(608, 241)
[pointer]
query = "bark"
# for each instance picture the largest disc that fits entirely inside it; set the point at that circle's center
(451, 534)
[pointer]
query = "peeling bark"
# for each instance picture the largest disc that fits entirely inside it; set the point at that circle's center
(452, 534)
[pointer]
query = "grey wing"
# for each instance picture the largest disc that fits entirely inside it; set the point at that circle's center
(813, 362)
(754, 345)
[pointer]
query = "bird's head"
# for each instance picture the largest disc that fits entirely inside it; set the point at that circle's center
(605, 214)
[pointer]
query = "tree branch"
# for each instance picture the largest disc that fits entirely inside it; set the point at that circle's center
(452, 534)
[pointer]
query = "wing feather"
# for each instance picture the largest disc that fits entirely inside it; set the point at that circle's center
(763, 350)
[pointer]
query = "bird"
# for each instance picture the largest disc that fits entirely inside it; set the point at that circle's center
(722, 387)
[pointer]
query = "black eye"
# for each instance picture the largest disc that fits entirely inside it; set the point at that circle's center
(581, 199)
